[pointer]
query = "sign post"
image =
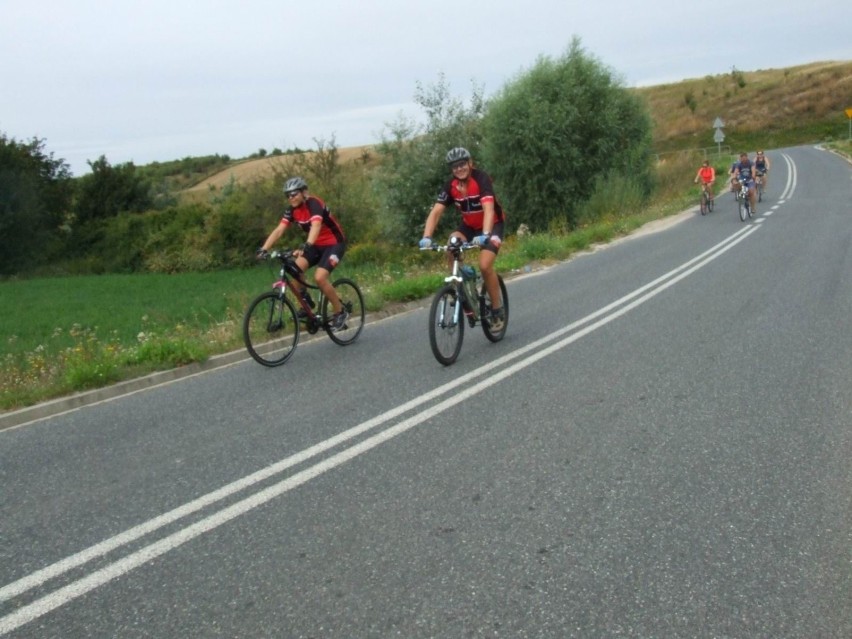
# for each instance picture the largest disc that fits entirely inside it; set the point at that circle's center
(719, 136)
(849, 115)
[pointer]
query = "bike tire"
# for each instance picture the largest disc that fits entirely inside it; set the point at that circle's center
(446, 325)
(495, 336)
(743, 211)
(352, 300)
(702, 204)
(712, 204)
(271, 329)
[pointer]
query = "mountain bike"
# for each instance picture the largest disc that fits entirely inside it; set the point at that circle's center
(272, 325)
(459, 301)
(743, 202)
(706, 202)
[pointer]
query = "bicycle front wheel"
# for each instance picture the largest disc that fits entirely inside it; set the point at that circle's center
(703, 204)
(271, 329)
(353, 302)
(446, 325)
(743, 210)
(495, 333)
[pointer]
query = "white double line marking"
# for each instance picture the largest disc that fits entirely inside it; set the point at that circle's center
(560, 339)
(792, 177)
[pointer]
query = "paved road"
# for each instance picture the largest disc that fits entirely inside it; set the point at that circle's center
(659, 448)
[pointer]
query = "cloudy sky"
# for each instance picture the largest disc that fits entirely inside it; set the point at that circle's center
(161, 80)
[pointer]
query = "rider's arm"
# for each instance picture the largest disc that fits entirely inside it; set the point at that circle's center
(487, 216)
(433, 218)
(276, 234)
(313, 234)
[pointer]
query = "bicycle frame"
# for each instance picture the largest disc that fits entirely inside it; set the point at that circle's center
(472, 307)
(312, 320)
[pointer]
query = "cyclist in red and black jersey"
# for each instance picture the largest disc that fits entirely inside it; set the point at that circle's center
(324, 246)
(482, 219)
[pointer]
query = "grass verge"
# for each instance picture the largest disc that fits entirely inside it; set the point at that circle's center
(72, 334)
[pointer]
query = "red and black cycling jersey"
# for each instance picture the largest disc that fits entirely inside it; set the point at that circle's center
(312, 209)
(469, 200)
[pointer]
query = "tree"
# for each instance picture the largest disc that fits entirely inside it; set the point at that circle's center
(553, 133)
(110, 190)
(35, 194)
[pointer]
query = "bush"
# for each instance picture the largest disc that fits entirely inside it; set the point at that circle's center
(553, 131)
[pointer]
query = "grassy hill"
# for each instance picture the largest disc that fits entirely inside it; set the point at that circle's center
(765, 108)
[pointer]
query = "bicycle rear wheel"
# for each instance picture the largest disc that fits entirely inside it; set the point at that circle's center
(271, 329)
(446, 325)
(352, 300)
(491, 334)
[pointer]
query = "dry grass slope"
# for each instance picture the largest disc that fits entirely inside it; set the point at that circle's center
(763, 100)
(756, 101)
(251, 170)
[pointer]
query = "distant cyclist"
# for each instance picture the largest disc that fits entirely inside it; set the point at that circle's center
(744, 172)
(761, 166)
(706, 176)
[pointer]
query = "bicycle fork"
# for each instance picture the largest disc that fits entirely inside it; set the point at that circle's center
(450, 314)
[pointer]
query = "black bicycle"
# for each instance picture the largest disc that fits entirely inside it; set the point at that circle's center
(272, 325)
(463, 298)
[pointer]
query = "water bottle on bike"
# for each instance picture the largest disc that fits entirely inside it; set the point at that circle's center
(471, 280)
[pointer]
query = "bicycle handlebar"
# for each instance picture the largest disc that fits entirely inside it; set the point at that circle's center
(464, 246)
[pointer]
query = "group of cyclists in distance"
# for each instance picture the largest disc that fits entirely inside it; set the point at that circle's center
(743, 173)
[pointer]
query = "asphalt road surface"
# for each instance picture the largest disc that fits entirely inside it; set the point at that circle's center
(659, 448)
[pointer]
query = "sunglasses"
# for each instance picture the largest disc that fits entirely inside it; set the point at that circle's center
(458, 165)
(293, 193)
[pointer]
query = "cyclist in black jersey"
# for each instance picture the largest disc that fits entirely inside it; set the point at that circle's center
(470, 190)
(324, 246)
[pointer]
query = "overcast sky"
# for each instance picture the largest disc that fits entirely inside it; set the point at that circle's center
(162, 80)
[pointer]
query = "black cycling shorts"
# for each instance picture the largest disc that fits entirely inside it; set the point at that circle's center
(327, 257)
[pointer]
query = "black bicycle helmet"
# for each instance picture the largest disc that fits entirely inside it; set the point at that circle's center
(295, 184)
(457, 154)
